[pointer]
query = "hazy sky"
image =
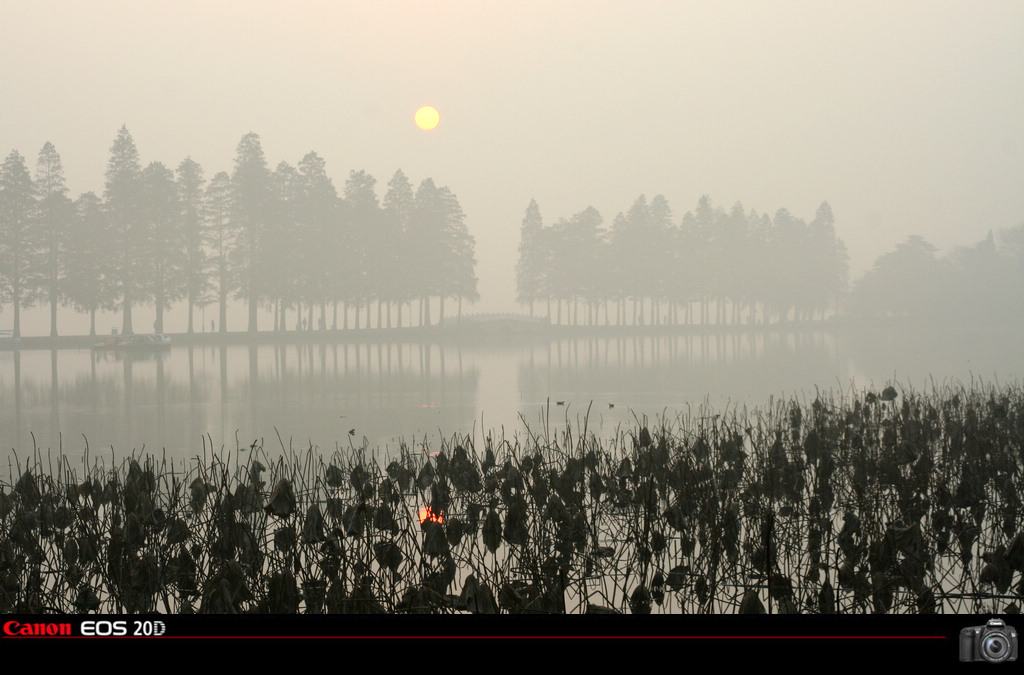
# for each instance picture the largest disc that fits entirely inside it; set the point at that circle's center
(908, 117)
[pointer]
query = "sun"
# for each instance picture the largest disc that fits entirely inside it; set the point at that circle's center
(427, 117)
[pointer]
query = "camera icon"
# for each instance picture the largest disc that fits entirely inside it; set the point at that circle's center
(994, 642)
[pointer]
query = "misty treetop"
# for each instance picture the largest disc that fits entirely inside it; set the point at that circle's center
(283, 239)
(738, 267)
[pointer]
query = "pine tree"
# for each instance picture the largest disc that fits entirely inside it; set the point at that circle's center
(17, 209)
(575, 246)
(787, 287)
(195, 235)
(52, 225)
(659, 241)
(127, 231)
(827, 262)
(285, 270)
(217, 211)
(90, 284)
(634, 242)
(459, 279)
(250, 199)
(165, 251)
(317, 214)
(533, 258)
(426, 236)
(703, 239)
(361, 217)
(398, 206)
(733, 250)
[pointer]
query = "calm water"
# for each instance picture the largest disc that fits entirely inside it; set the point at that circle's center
(413, 392)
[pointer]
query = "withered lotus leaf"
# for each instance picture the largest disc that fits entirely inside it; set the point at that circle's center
(751, 603)
(282, 500)
(313, 527)
(334, 476)
(477, 597)
(492, 531)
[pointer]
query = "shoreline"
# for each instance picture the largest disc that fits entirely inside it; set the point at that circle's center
(501, 329)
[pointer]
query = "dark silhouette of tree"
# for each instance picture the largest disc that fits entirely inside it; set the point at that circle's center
(703, 240)
(286, 242)
(90, 283)
(762, 263)
(17, 209)
(700, 254)
(250, 196)
(901, 282)
(533, 265)
(279, 239)
(317, 211)
(286, 238)
(165, 247)
(974, 285)
(195, 235)
(684, 271)
(640, 240)
(371, 227)
(445, 261)
(620, 286)
(426, 235)
(53, 223)
(576, 249)
(974, 278)
(362, 215)
(398, 208)
(734, 254)
(660, 256)
(788, 287)
(827, 264)
(126, 229)
(459, 278)
(222, 234)
(732, 263)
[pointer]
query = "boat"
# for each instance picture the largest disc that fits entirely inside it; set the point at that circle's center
(134, 342)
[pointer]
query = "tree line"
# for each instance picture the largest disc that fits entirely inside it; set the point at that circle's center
(739, 267)
(282, 239)
(714, 266)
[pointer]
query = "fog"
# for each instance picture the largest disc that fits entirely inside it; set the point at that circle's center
(903, 119)
(644, 301)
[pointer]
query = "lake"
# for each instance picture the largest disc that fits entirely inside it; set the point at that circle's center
(415, 391)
